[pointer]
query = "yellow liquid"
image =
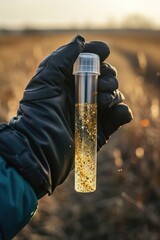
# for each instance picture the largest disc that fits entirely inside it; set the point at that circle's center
(85, 147)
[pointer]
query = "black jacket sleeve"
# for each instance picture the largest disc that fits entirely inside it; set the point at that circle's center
(39, 141)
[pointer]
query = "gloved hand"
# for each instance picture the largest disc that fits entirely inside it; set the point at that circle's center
(43, 130)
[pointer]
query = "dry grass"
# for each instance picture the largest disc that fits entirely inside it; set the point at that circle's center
(126, 204)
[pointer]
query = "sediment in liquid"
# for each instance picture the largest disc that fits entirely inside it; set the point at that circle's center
(85, 147)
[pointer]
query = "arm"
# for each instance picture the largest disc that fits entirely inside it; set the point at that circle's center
(42, 133)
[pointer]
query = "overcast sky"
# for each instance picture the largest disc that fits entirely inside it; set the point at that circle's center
(74, 13)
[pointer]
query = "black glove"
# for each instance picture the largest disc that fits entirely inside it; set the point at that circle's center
(42, 133)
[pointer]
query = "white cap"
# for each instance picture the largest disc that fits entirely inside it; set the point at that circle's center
(87, 63)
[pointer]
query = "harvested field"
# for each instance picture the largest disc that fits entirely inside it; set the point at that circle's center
(126, 205)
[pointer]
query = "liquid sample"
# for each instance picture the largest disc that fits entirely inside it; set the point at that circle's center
(85, 147)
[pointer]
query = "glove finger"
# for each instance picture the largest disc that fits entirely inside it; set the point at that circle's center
(115, 117)
(107, 80)
(108, 84)
(108, 69)
(99, 48)
(107, 100)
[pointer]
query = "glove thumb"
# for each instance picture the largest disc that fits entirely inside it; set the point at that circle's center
(53, 70)
(64, 57)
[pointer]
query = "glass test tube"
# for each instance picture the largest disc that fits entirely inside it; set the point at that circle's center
(86, 71)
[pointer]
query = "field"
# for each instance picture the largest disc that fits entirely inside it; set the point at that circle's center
(126, 205)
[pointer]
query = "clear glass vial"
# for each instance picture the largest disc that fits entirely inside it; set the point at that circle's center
(86, 70)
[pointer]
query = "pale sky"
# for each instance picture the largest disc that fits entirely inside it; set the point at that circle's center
(74, 13)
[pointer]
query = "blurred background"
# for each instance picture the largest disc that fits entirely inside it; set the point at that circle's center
(126, 204)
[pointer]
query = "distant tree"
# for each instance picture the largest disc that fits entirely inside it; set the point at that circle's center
(137, 21)
(112, 23)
